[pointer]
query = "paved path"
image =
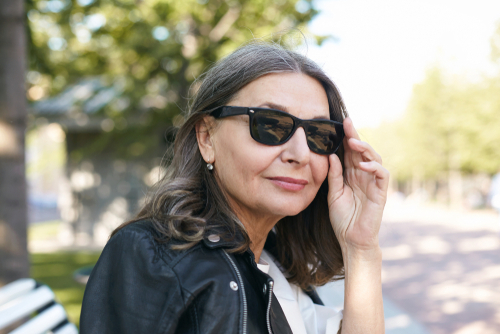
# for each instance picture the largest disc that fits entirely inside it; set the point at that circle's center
(442, 267)
(397, 321)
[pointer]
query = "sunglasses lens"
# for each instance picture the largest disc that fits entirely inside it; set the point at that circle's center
(324, 137)
(271, 128)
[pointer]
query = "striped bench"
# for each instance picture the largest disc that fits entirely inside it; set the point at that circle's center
(23, 298)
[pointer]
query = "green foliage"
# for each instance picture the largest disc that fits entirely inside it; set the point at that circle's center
(56, 270)
(150, 50)
(430, 124)
(449, 125)
(154, 44)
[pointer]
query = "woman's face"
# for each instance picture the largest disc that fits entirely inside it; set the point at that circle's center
(270, 181)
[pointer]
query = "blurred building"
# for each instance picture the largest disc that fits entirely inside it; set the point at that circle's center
(100, 191)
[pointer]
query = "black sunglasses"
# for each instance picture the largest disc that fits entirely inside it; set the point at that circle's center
(275, 127)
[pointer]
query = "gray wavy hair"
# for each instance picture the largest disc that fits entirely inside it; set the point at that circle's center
(188, 203)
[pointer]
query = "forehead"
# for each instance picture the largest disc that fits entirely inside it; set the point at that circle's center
(299, 94)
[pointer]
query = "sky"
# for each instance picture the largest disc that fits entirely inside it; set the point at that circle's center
(383, 47)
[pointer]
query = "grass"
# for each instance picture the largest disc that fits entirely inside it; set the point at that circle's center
(56, 270)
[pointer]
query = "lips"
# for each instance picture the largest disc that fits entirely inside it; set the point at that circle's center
(289, 183)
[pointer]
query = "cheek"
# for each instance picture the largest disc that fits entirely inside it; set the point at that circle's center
(242, 164)
(319, 168)
(240, 159)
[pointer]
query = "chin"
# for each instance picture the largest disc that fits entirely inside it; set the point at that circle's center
(290, 209)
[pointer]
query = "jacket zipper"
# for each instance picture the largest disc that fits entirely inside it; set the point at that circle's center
(271, 284)
(245, 315)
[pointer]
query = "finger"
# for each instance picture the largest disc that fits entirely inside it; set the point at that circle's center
(335, 177)
(349, 130)
(381, 174)
(367, 152)
(350, 158)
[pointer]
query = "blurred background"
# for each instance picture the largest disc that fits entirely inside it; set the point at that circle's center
(92, 91)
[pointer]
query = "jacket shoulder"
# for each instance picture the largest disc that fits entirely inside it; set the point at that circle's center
(141, 227)
(129, 289)
(144, 234)
(206, 257)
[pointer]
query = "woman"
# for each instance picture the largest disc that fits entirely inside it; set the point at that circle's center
(254, 200)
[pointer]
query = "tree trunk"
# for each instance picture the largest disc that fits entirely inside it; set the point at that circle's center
(13, 211)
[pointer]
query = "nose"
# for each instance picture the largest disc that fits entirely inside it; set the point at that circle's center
(296, 149)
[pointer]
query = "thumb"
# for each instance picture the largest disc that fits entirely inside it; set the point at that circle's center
(335, 179)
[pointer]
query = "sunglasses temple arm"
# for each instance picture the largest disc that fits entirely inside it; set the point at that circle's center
(229, 111)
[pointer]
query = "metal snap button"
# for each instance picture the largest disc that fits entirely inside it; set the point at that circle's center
(233, 285)
(213, 238)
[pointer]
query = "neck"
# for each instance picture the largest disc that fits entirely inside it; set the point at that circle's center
(257, 228)
(258, 236)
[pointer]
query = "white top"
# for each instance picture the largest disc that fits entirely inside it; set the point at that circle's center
(303, 316)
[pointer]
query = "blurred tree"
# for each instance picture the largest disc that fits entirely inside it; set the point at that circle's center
(450, 124)
(453, 125)
(13, 217)
(450, 128)
(151, 51)
(430, 126)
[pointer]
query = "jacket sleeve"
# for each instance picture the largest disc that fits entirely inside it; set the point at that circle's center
(130, 289)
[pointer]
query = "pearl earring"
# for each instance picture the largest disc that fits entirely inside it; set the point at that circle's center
(210, 166)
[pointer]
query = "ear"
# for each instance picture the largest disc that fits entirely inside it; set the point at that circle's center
(204, 131)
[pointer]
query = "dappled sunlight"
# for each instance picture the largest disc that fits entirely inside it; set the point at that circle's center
(452, 307)
(479, 244)
(477, 327)
(433, 245)
(443, 267)
(399, 321)
(489, 273)
(397, 252)
(403, 271)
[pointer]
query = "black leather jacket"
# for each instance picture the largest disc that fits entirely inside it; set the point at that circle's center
(141, 286)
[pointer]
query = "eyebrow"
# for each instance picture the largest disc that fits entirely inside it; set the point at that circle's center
(274, 106)
(285, 109)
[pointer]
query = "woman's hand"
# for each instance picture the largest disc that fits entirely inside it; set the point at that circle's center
(356, 205)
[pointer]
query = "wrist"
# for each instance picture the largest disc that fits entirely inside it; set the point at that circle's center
(364, 254)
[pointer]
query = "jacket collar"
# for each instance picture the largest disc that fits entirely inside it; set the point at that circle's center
(214, 240)
(221, 238)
